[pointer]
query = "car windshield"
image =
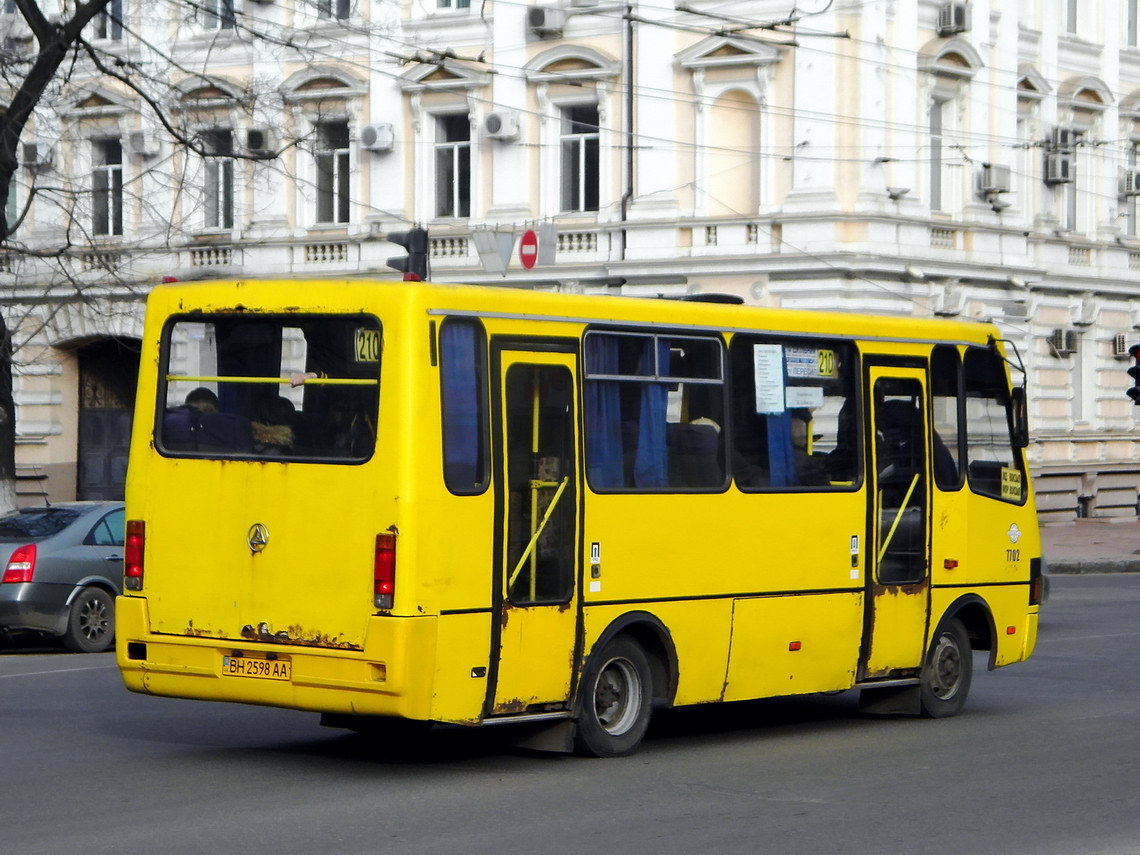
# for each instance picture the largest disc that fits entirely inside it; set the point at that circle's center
(36, 522)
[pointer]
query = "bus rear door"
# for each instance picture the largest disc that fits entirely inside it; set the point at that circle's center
(899, 571)
(537, 497)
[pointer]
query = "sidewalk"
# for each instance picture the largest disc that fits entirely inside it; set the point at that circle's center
(1093, 546)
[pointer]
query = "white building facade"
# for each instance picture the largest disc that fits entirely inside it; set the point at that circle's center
(911, 157)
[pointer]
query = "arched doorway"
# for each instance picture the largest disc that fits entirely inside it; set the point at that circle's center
(108, 375)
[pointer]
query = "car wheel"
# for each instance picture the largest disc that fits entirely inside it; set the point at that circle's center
(946, 676)
(91, 622)
(616, 700)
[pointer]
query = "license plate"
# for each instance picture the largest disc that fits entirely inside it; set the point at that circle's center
(261, 669)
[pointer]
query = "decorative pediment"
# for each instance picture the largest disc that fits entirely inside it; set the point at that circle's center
(570, 64)
(98, 101)
(1031, 84)
(322, 81)
(725, 51)
(1130, 106)
(206, 93)
(949, 58)
(1084, 93)
(444, 75)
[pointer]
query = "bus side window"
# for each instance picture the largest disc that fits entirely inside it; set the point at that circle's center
(654, 411)
(945, 417)
(993, 466)
(794, 414)
(463, 390)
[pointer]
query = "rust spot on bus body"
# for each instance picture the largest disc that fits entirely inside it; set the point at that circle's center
(296, 636)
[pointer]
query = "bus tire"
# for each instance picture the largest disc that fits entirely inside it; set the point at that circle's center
(90, 622)
(615, 701)
(946, 675)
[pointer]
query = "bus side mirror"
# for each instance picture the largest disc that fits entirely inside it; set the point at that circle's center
(1020, 417)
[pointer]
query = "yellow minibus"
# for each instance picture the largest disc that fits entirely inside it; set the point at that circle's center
(404, 501)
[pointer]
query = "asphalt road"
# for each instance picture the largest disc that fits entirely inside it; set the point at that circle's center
(1045, 759)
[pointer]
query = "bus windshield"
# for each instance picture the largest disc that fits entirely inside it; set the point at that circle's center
(270, 387)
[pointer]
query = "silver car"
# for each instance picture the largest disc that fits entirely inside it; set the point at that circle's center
(62, 571)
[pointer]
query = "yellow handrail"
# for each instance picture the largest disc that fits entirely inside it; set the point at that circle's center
(535, 485)
(284, 381)
(898, 516)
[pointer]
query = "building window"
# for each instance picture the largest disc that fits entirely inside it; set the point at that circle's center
(579, 147)
(453, 166)
(218, 14)
(453, 4)
(219, 176)
(339, 9)
(109, 22)
(1072, 217)
(332, 172)
(107, 187)
(1131, 23)
(938, 111)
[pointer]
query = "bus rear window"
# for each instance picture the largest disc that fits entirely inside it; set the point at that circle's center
(266, 387)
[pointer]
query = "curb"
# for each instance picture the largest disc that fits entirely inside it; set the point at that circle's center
(1096, 565)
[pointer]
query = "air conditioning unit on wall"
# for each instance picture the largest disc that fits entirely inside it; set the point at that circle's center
(501, 125)
(378, 137)
(260, 142)
(36, 155)
(1063, 139)
(545, 21)
(953, 18)
(1130, 184)
(1064, 342)
(1059, 168)
(995, 178)
(1120, 344)
(143, 143)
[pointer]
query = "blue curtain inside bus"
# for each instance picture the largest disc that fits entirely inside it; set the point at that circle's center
(459, 375)
(781, 459)
(603, 415)
(651, 465)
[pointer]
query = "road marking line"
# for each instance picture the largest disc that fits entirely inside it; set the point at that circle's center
(60, 671)
(1088, 637)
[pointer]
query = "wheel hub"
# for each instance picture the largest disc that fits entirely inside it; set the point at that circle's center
(947, 671)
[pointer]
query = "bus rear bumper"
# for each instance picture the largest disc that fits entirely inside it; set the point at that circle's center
(392, 676)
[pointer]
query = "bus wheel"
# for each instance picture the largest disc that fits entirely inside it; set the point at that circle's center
(616, 700)
(91, 622)
(947, 672)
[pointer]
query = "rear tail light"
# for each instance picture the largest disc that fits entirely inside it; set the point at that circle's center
(133, 555)
(1036, 582)
(21, 565)
(384, 570)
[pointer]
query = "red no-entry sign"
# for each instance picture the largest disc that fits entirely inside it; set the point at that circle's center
(528, 248)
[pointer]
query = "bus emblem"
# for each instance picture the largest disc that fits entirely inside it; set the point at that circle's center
(258, 537)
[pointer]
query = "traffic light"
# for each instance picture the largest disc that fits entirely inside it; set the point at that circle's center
(1134, 373)
(415, 264)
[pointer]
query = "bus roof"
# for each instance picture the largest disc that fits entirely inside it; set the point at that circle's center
(489, 301)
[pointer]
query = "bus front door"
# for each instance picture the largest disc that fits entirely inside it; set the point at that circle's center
(535, 596)
(899, 569)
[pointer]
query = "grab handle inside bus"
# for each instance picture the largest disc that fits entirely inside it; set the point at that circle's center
(898, 516)
(538, 532)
